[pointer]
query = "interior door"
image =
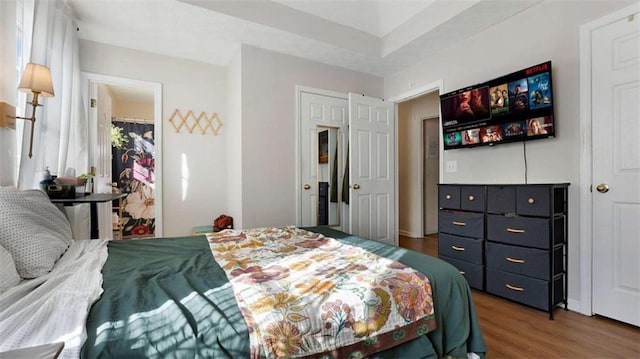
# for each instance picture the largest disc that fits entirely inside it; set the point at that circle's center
(372, 168)
(102, 159)
(316, 110)
(615, 52)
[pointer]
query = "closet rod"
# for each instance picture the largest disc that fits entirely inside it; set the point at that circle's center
(133, 120)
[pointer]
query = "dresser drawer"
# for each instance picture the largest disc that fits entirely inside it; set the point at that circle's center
(501, 199)
(533, 200)
(523, 231)
(473, 273)
(472, 198)
(449, 196)
(520, 260)
(464, 224)
(462, 248)
(529, 291)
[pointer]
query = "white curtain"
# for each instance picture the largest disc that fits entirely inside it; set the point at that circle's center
(61, 132)
(60, 139)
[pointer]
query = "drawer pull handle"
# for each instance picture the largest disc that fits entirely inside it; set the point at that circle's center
(512, 287)
(448, 196)
(461, 249)
(471, 198)
(514, 230)
(459, 223)
(531, 200)
(513, 260)
(462, 272)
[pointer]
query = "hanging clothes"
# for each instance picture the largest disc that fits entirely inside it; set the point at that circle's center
(134, 171)
(333, 188)
(345, 181)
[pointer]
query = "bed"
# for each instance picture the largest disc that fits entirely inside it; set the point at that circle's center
(168, 297)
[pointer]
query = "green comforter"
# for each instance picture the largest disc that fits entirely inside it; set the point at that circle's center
(168, 298)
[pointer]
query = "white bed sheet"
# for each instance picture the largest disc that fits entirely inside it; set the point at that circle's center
(54, 307)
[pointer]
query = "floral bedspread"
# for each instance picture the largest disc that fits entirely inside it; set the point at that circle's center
(306, 295)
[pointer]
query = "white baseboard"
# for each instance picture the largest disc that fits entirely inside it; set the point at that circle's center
(402, 232)
(576, 306)
(573, 305)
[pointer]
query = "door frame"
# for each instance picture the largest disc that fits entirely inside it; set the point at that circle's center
(586, 154)
(88, 78)
(436, 86)
(299, 89)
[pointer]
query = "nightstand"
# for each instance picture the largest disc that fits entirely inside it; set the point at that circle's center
(201, 230)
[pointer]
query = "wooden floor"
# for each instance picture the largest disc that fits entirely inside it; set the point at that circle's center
(512, 330)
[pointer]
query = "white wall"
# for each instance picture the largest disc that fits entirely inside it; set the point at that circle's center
(248, 170)
(234, 140)
(548, 31)
(194, 165)
(268, 127)
(129, 109)
(8, 84)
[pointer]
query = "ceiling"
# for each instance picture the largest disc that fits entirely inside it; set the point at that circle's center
(378, 37)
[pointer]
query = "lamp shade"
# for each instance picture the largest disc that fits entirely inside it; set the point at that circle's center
(37, 78)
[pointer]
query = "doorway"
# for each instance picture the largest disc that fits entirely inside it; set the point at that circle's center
(109, 98)
(133, 166)
(419, 164)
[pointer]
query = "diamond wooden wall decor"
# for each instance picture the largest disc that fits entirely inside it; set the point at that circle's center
(190, 122)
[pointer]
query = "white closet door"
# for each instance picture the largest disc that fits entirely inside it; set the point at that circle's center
(372, 168)
(316, 110)
(102, 180)
(616, 164)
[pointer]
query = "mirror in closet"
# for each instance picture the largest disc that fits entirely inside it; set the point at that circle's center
(330, 170)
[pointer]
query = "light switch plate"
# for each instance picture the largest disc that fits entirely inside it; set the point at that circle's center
(452, 166)
(7, 115)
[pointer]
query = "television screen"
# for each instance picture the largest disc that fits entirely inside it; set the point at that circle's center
(514, 107)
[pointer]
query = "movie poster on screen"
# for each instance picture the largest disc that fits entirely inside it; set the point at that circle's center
(499, 96)
(466, 107)
(539, 126)
(490, 134)
(518, 97)
(539, 91)
(452, 139)
(471, 137)
(514, 129)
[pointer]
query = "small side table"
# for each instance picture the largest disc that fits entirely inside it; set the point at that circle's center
(201, 230)
(93, 200)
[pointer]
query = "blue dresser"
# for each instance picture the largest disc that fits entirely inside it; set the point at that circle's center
(508, 240)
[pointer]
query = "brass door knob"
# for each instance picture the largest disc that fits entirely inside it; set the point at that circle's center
(356, 186)
(602, 188)
(306, 186)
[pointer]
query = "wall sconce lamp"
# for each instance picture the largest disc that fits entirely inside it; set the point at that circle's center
(37, 80)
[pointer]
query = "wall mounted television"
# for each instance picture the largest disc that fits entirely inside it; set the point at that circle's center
(510, 108)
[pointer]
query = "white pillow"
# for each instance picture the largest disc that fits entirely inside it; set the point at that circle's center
(33, 230)
(8, 275)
